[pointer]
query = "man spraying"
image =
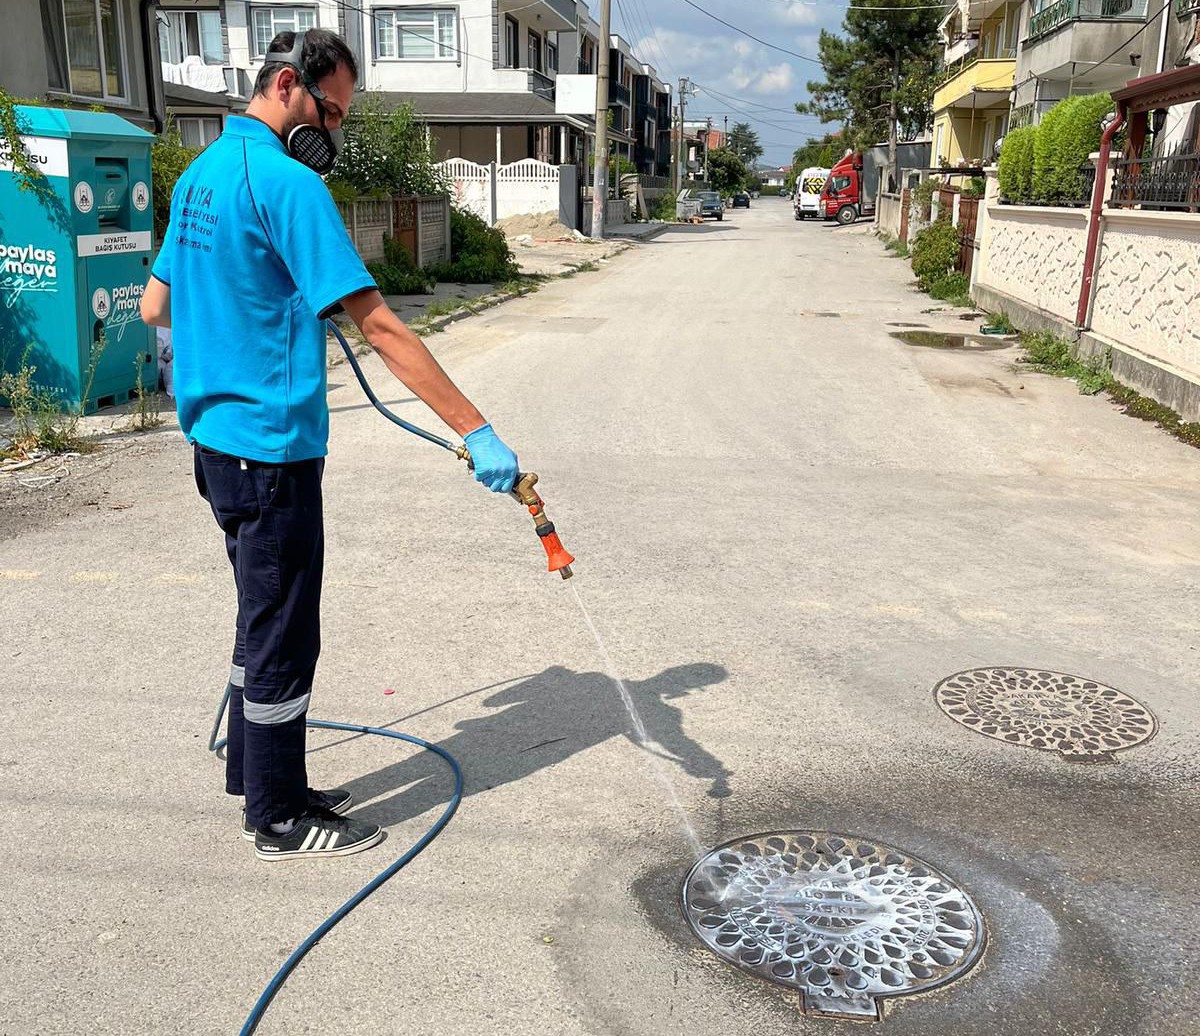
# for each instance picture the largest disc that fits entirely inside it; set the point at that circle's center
(254, 260)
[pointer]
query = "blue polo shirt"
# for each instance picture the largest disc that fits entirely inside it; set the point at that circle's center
(256, 257)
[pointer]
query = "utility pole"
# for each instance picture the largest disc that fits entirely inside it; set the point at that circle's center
(685, 86)
(600, 161)
(725, 139)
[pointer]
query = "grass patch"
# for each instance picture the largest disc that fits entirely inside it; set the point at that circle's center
(894, 245)
(1051, 354)
(147, 410)
(1000, 319)
(953, 288)
(39, 423)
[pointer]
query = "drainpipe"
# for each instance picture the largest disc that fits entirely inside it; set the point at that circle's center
(1093, 238)
(150, 59)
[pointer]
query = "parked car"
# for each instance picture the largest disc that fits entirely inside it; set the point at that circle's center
(809, 185)
(741, 200)
(711, 204)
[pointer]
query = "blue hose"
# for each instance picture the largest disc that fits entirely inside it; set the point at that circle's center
(325, 927)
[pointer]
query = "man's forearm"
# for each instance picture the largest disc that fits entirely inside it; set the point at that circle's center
(409, 360)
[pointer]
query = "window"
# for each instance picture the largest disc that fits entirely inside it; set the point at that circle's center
(552, 57)
(838, 183)
(416, 34)
(191, 34)
(197, 131)
(535, 51)
(270, 21)
(512, 42)
(84, 52)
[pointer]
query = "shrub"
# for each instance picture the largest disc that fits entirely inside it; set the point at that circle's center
(384, 151)
(954, 288)
(398, 273)
(1015, 170)
(934, 252)
(922, 196)
(168, 159)
(664, 207)
(1067, 134)
(479, 254)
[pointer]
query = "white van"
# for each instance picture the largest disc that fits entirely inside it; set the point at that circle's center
(808, 191)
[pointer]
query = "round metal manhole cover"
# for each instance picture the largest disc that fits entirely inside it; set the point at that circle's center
(845, 921)
(1083, 720)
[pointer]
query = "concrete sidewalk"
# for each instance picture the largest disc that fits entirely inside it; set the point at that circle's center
(790, 526)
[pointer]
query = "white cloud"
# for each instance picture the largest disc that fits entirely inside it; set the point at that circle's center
(775, 79)
(798, 12)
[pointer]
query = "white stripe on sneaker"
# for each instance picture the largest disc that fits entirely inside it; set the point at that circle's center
(319, 844)
(309, 838)
(333, 840)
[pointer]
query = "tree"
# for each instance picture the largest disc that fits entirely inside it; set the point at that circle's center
(726, 172)
(385, 151)
(821, 154)
(743, 142)
(880, 76)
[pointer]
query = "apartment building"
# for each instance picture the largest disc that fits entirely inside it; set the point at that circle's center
(1072, 47)
(971, 107)
(481, 73)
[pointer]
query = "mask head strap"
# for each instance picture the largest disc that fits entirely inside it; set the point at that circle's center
(292, 58)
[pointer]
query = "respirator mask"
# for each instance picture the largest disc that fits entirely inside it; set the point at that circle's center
(313, 146)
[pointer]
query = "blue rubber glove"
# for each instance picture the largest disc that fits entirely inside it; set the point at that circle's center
(495, 464)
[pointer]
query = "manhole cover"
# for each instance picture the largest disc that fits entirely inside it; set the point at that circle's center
(845, 921)
(1083, 720)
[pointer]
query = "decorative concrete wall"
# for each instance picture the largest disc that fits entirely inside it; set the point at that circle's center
(1034, 254)
(1148, 285)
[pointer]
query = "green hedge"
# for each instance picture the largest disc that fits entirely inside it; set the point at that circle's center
(1015, 171)
(1042, 164)
(934, 252)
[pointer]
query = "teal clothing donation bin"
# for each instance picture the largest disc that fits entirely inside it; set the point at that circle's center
(75, 256)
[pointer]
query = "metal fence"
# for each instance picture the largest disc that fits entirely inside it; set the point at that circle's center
(1167, 182)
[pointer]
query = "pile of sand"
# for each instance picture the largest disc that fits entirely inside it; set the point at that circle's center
(541, 226)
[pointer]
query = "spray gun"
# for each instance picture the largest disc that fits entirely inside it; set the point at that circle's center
(559, 560)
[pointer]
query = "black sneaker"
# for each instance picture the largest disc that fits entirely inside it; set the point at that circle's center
(336, 800)
(320, 832)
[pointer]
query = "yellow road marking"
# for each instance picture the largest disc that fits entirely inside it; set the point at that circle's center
(21, 575)
(180, 580)
(897, 611)
(983, 615)
(93, 577)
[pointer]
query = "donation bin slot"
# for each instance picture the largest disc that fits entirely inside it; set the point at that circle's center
(112, 193)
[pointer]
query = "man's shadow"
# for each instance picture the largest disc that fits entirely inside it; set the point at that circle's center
(540, 722)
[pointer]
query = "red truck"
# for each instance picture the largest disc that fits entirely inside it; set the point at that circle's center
(843, 197)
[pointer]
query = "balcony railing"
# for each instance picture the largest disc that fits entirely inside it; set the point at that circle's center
(1185, 7)
(1169, 182)
(1050, 18)
(618, 94)
(541, 85)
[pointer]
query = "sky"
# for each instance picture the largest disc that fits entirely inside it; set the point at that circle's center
(734, 75)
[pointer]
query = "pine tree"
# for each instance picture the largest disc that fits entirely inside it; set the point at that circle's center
(880, 76)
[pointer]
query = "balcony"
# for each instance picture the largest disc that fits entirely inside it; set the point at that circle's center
(554, 15)
(983, 83)
(1061, 12)
(618, 94)
(1185, 7)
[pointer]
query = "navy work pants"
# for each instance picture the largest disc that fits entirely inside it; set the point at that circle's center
(274, 533)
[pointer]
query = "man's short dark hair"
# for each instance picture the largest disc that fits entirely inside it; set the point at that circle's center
(323, 52)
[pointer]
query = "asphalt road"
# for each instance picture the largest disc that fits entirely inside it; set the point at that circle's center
(789, 527)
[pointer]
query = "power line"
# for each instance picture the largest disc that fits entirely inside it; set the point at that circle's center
(730, 25)
(751, 115)
(754, 104)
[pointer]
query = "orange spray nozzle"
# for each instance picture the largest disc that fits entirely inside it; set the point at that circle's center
(557, 556)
